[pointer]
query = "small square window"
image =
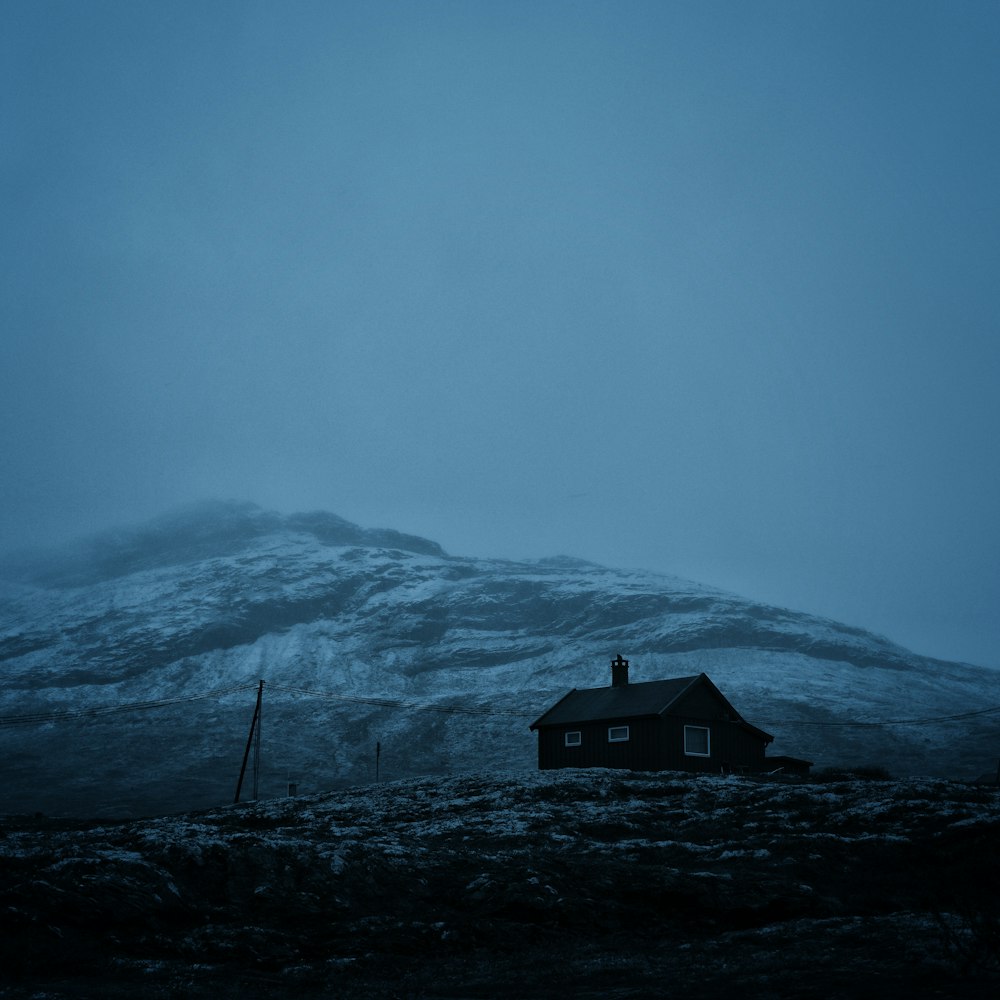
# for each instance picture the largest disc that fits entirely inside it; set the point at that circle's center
(697, 741)
(618, 734)
(574, 739)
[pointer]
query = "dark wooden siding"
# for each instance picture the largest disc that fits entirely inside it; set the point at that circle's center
(640, 753)
(653, 745)
(731, 747)
(699, 702)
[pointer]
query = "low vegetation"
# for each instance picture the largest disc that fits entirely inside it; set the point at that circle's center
(585, 883)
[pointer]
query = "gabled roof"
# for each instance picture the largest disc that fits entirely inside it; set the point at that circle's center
(631, 701)
(628, 701)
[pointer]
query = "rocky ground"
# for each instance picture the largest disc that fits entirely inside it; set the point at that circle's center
(585, 883)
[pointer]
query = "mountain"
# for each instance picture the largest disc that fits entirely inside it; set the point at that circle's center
(131, 661)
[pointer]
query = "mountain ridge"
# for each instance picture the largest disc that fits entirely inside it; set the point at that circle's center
(221, 594)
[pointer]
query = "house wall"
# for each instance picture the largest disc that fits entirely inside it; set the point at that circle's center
(655, 744)
(731, 747)
(640, 753)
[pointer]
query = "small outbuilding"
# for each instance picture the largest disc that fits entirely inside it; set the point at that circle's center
(683, 724)
(789, 767)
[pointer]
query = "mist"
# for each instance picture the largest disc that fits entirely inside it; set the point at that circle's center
(708, 289)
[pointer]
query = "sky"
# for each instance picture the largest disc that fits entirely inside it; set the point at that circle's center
(706, 288)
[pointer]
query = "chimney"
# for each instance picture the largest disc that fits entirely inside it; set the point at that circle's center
(619, 672)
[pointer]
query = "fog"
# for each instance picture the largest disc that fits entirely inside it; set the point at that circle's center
(704, 288)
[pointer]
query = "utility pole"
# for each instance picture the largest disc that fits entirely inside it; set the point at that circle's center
(254, 732)
(256, 739)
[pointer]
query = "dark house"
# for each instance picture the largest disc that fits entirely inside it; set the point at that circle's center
(684, 724)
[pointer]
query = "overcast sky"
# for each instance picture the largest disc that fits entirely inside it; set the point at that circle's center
(705, 288)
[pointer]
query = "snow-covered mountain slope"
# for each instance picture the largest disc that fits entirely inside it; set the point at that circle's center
(375, 637)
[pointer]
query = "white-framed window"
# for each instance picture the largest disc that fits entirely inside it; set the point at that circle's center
(697, 741)
(573, 739)
(618, 734)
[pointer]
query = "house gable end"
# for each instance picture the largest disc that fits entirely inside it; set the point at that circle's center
(703, 700)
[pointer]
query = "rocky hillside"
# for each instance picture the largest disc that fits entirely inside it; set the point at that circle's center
(369, 637)
(585, 883)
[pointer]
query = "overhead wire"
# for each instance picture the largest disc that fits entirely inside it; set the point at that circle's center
(394, 703)
(97, 711)
(885, 722)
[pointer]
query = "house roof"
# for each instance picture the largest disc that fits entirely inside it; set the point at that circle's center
(630, 701)
(625, 702)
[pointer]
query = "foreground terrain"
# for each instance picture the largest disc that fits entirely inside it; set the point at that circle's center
(587, 883)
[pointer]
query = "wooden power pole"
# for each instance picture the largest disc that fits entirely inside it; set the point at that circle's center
(252, 740)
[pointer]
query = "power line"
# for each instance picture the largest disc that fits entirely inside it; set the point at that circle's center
(95, 711)
(393, 703)
(40, 718)
(459, 709)
(886, 722)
